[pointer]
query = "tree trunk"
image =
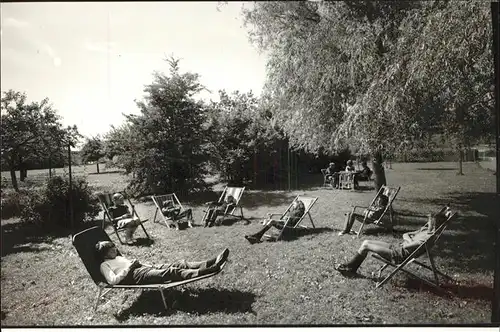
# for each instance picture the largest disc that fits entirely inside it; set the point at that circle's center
(460, 159)
(378, 171)
(98, 167)
(13, 178)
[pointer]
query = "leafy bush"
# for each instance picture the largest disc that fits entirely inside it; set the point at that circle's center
(49, 206)
(12, 202)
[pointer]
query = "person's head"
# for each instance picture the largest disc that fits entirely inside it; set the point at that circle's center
(106, 250)
(350, 163)
(332, 164)
(229, 199)
(118, 199)
(168, 204)
(364, 164)
(383, 199)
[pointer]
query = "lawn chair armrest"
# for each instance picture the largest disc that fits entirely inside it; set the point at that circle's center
(270, 215)
(358, 206)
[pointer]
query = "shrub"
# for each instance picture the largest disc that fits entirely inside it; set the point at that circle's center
(49, 207)
(12, 202)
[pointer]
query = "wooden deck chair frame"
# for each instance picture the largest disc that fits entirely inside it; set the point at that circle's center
(236, 192)
(106, 200)
(393, 192)
(308, 201)
(326, 183)
(84, 243)
(346, 180)
(158, 201)
(403, 266)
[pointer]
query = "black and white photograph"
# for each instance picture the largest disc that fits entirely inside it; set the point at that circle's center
(250, 164)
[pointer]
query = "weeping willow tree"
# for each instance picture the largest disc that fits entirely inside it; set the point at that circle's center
(370, 76)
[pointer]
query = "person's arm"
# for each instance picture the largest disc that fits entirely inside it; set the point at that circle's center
(111, 277)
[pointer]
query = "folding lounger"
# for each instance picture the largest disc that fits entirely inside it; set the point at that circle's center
(236, 192)
(391, 193)
(424, 248)
(159, 201)
(106, 200)
(308, 204)
(84, 243)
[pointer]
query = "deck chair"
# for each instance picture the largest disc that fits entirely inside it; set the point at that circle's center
(391, 193)
(326, 182)
(346, 180)
(84, 243)
(308, 204)
(159, 201)
(236, 192)
(424, 249)
(106, 200)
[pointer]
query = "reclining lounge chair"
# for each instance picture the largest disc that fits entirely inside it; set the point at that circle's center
(84, 243)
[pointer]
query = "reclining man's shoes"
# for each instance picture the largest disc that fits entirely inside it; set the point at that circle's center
(343, 268)
(252, 239)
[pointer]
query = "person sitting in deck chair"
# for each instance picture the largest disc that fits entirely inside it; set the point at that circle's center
(332, 175)
(120, 270)
(396, 253)
(120, 212)
(295, 213)
(216, 209)
(170, 211)
(373, 213)
(350, 166)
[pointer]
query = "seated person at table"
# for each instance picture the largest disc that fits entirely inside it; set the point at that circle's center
(120, 213)
(395, 253)
(366, 172)
(120, 270)
(350, 166)
(170, 211)
(374, 212)
(294, 213)
(216, 209)
(332, 175)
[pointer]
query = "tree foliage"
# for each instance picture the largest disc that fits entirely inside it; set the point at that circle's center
(239, 129)
(93, 150)
(31, 132)
(371, 75)
(165, 146)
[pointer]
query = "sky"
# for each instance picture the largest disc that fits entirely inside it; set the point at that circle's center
(93, 59)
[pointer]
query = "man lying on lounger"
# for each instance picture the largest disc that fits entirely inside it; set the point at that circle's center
(396, 253)
(120, 270)
(295, 213)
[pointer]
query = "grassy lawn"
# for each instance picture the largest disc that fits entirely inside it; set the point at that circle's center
(43, 281)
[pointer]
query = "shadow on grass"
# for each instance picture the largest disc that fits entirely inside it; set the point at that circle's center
(197, 301)
(16, 235)
(297, 233)
(468, 242)
(471, 292)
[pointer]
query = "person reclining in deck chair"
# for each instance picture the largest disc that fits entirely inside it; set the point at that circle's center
(120, 270)
(373, 213)
(295, 213)
(170, 211)
(396, 253)
(216, 209)
(120, 213)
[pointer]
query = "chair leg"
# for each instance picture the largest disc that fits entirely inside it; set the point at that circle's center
(361, 228)
(241, 211)
(431, 259)
(311, 219)
(98, 298)
(163, 298)
(144, 229)
(156, 212)
(118, 235)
